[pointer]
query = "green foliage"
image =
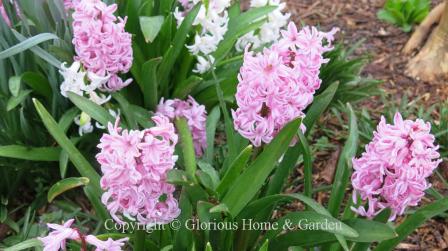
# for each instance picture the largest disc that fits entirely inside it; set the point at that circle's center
(231, 183)
(27, 69)
(413, 221)
(343, 169)
(346, 69)
(404, 13)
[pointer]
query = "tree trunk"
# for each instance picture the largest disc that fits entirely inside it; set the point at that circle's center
(432, 61)
(421, 33)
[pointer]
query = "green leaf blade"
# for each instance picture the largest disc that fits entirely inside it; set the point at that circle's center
(50, 154)
(151, 26)
(256, 174)
(27, 44)
(65, 185)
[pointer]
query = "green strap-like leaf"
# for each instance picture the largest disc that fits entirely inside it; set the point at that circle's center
(79, 161)
(297, 218)
(83, 166)
(36, 81)
(256, 206)
(235, 169)
(126, 110)
(65, 185)
(14, 85)
(256, 174)
(95, 111)
(13, 102)
(34, 154)
(212, 122)
(177, 45)
(210, 171)
(39, 83)
(308, 165)
(179, 177)
(240, 25)
(31, 243)
(413, 221)
(150, 27)
(183, 238)
(67, 118)
(343, 170)
(150, 83)
(319, 105)
(288, 162)
(27, 44)
(368, 231)
(186, 142)
(265, 246)
(185, 87)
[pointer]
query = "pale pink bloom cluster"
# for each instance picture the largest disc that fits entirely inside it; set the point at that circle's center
(194, 113)
(135, 166)
(70, 4)
(101, 43)
(4, 14)
(57, 238)
(275, 86)
(392, 172)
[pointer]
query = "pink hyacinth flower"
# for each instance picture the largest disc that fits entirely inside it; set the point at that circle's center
(196, 117)
(101, 43)
(108, 245)
(393, 171)
(135, 166)
(277, 85)
(57, 238)
(4, 14)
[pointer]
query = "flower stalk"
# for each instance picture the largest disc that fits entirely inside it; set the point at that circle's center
(186, 143)
(139, 240)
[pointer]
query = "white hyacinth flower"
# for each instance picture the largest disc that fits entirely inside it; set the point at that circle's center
(84, 121)
(86, 84)
(114, 114)
(204, 64)
(99, 99)
(258, 3)
(96, 82)
(203, 44)
(268, 32)
(249, 38)
(73, 79)
(213, 24)
(179, 16)
(220, 5)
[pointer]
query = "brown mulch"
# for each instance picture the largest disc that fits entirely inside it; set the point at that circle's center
(383, 42)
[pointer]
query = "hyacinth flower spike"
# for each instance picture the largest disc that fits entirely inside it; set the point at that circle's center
(393, 171)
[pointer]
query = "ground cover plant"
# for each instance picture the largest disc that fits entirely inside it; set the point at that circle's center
(177, 125)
